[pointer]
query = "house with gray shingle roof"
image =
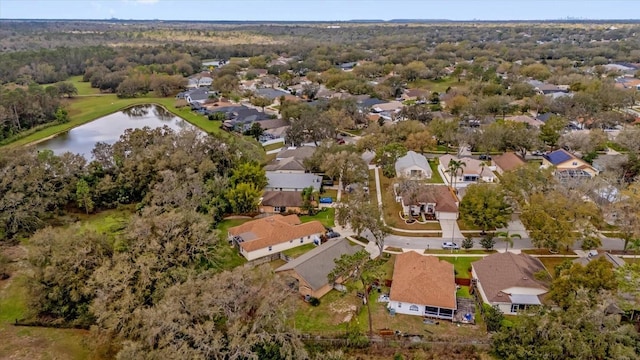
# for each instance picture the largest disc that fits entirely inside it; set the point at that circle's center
(413, 166)
(292, 181)
(311, 270)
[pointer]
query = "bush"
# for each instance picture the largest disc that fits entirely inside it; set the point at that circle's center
(493, 317)
(314, 301)
(467, 243)
(487, 242)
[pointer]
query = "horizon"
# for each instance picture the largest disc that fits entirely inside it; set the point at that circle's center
(321, 10)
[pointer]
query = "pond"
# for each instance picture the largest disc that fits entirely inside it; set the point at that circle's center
(82, 139)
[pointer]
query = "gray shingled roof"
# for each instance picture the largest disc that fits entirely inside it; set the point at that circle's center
(413, 158)
(315, 265)
(292, 181)
(614, 260)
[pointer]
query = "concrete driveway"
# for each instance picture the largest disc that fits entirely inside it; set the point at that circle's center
(515, 226)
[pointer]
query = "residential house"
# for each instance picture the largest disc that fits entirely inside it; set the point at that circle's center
(418, 95)
(508, 281)
(311, 270)
(507, 162)
(271, 94)
(199, 80)
(545, 89)
(413, 166)
(544, 117)
(423, 286)
(593, 255)
(530, 121)
(432, 202)
(567, 165)
(276, 202)
(291, 160)
(348, 66)
(472, 172)
(273, 234)
(278, 181)
(387, 107)
(195, 96)
(240, 117)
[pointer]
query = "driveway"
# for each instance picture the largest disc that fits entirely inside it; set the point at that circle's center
(515, 226)
(451, 231)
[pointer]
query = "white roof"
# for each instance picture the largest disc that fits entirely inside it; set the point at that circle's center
(278, 180)
(525, 299)
(413, 158)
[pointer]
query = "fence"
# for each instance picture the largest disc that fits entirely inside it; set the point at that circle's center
(268, 259)
(463, 282)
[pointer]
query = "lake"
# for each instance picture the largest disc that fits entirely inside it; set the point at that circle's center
(82, 139)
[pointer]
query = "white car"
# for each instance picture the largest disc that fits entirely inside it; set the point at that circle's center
(450, 245)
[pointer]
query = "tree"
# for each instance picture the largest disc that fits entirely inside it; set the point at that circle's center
(310, 90)
(261, 102)
(386, 157)
(507, 238)
(255, 131)
(346, 166)
(550, 131)
(361, 267)
(308, 202)
(493, 317)
(420, 142)
(243, 198)
(484, 205)
(67, 88)
(225, 84)
(570, 283)
(248, 318)
(83, 196)
(454, 168)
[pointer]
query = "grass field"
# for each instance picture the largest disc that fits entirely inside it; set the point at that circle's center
(461, 265)
(83, 109)
(326, 216)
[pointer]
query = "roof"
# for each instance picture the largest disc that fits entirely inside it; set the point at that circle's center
(270, 93)
(425, 280)
(314, 266)
(508, 161)
(525, 119)
(544, 117)
(286, 164)
(300, 153)
(472, 166)
(273, 230)
(282, 198)
(292, 181)
(498, 272)
(413, 158)
(441, 195)
(272, 124)
(616, 261)
(559, 156)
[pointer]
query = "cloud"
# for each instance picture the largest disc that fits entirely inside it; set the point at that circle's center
(147, 1)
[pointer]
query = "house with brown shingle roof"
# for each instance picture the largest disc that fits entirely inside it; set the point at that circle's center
(273, 234)
(275, 202)
(436, 202)
(508, 281)
(472, 172)
(423, 285)
(507, 162)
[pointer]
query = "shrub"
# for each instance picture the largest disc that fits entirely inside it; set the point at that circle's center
(487, 242)
(314, 301)
(467, 243)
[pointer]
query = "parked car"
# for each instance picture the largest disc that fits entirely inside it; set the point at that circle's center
(450, 245)
(333, 234)
(484, 157)
(537, 153)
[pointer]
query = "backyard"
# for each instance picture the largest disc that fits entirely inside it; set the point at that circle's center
(461, 264)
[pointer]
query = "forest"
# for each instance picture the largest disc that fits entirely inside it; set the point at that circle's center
(161, 281)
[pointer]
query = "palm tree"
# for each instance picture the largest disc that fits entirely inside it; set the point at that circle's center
(507, 238)
(453, 168)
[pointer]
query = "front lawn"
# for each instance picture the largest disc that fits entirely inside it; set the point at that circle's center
(274, 146)
(392, 209)
(550, 263)
(461, 265)
(326, 216)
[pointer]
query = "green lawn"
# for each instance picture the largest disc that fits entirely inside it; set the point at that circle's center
(326, 317)
(326, 216)
(463, 292)
(435, 177)
(273, 146)
(300, 250)
(224, 225)
(110, 222)
(551, 262)
(439, 86)
(88, 108)
(330, 193)
(84, 88)
(461, 265)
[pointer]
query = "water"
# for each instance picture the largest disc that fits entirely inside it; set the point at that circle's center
(82, 139)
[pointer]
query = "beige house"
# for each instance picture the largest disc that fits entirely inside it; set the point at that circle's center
(413, 166)
(311, 270)
(568, 165)
(273, 234)
(432, 202)
(472, 172)
(508, 281)
(423, 285)
(276, 202)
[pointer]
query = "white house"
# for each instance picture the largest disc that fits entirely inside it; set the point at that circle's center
(508, 281)
(423, 285)
(273, 234)
(471, 172)
(413, 166)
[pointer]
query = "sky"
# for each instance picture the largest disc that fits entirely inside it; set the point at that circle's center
(320, 10)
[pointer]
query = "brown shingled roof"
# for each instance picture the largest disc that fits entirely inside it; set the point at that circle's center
(424, 280)
(272, 230)
(498, 272)
(508, 161)
(439, 194)
(282, 198)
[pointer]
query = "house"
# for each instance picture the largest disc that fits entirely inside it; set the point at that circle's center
(423, 286)
(271, 94)
(278, 181)
(274, 202)
(240, 118)
(388, 107)
(544, 88)
(273, 234)
(471, 172)
(197, 81)
(348, 66)
(593, 255)
(311, 270)
(415, 95)
(530, 121)
(568, 165)
(413, 166)
(508, 281)
(507, 162)
(433, 202)
(291, 160)
(199, 95)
